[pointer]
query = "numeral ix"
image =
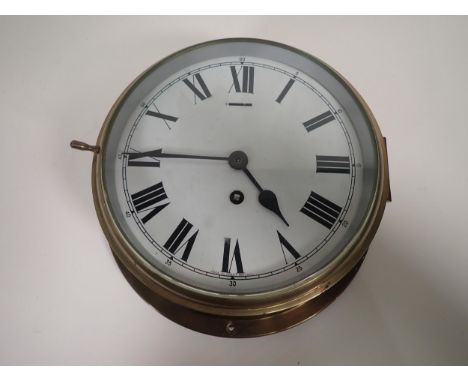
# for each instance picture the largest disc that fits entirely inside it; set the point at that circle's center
(134, 161)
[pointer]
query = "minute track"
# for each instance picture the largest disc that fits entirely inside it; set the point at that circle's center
(190, 156)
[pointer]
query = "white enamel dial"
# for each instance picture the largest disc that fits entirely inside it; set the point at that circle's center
(195, 218)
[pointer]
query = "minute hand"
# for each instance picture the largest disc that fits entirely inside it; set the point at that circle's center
(159, 154)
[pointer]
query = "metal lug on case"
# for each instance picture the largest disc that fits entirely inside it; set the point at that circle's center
(389, 199)
(78, 145)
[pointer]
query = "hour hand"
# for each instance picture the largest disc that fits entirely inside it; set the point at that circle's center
(266, 198)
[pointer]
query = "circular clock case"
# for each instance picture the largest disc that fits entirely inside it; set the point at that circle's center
(239, 183)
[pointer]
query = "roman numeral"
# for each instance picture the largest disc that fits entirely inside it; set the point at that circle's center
(227, 265)
(321, 210)
(332, 164)
(150, 197)
(204, 92)
(134, 160)
(141, 163)
(247, 79)
(176, 241)
(285, 90)
(286, 245)
(165, 117)
(318, 121)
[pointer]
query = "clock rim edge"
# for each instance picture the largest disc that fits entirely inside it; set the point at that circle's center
(241, 305)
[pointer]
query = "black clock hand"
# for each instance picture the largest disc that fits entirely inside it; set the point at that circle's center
(159, 154)
(238, 160)
(252, 179)
(267, 198)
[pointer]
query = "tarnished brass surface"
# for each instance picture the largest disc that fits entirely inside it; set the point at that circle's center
(242, 326)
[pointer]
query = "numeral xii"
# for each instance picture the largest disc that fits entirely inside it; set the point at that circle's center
(248, 73)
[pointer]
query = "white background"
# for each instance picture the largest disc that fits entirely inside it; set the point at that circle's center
(64, 301)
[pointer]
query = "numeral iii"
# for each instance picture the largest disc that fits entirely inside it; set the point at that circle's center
(332, 164)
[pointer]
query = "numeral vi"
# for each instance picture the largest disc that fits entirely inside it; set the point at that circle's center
(228, 260)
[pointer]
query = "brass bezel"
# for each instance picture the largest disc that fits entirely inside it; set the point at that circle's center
(241, 315)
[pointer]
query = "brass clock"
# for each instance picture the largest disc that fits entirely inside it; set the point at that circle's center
(239, 183)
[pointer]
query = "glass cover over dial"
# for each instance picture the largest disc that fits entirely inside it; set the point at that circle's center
(239, 167)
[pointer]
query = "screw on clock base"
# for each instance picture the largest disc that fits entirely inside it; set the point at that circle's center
(239, 327)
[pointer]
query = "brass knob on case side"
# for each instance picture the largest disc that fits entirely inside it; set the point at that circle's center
(78, 145)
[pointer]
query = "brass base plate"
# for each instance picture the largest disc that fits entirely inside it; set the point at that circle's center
(238, 327)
